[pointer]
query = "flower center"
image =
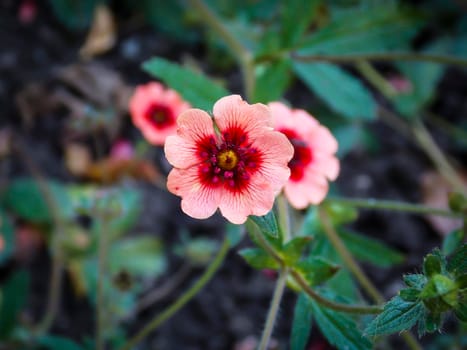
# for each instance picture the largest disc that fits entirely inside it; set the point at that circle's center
(227, 159)
(159, 115)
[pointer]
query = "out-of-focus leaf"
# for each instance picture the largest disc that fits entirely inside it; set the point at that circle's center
(76, 15)
(272, 80)
(398, 315)
(376, 30)
(293, 249)
(24, 197)
(14, 295)
(348, 136)
(452, 241)
(196, 88)
(316, 270)
(198, 251)
(301, 324)
(259, 259)
(343, 93)
(340, 213)
(370, 250)
(457, 264)
(296, 17)
(339, 329)
(111, 170)
(51, 342)
(143, 256)
(7, 239)
(424, 78)
(235, 234)
(102, 35)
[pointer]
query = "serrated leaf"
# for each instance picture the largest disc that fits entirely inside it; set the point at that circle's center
(452, 241)
(24, 197)
(7, 237)
(415, 280)
(398, 315)
(316, 270)
(272, 80)
(293, 250)
(370, 250)
(457, 264)
(301, 324)
(196, 88)
(139, 255)
(267, 224)
(342, 92)
(339, 329)
(258, 258)
(14, 295)
(296, 18)
(51, 342)
(369, 30)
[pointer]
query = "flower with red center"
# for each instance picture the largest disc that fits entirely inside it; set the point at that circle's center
(154, 110)
(314, 162)
(239, 165)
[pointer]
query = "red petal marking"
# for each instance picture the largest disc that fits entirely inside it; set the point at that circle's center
(159, 115)
(302, 155)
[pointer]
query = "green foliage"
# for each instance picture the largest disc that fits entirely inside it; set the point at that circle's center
(343, 93)
(76, 15)
(195, 87)
(452, 241)
(7, 236)
(370, 250)
(272, 81)
(26, 199)
(316, 270)
(197, 251)
(13, 298)
(398, 315)
(259, 259)
(51, 342)
(457, 264)
(293, 250)
(301, 324)
(268, 224)
(296, 18)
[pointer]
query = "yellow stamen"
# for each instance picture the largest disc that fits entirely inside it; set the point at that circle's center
(227, 160)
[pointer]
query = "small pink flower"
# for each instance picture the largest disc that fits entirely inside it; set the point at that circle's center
(313, 163)
(239, 167)
(154, 110)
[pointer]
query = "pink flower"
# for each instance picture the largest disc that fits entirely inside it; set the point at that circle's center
(154, 111)
(313, 163)
(238, 167)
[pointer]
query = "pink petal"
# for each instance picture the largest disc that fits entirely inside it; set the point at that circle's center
(323, 141)
(232, 111)
(257, 199)
(179, 152)
(194, 125)
(295, 119)
(198, 201)
(326, 164)
(311, 190)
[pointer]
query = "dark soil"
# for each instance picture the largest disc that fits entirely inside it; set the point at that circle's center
(234, 305)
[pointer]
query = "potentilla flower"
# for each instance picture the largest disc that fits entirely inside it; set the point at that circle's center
(239, 165)
(314, 162)
(154, 110)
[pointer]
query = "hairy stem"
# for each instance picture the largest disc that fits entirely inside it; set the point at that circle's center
(182, 300)
(273, 309)
(242, 54)
(371, 203)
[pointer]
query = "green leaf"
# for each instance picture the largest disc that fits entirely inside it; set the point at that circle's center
(267, 224)
(293, 250)
(461, 311)
(51, 342)
(142, 255)
(6, 236)
(343, 93)
(452, 241)
(272, 80)
(370, 250)
(340, 213)
(301, 324)
(76, 15)
(316, 270)
(24, 197)
(129, 203)
(339, 329)
(235, 234)
(195, 87)
(457, 264)
(398, 315)
(14, 296)
(296, 18)
(258, 258)
(363, 31)
(198, 251)
(417, 281)
(409, 294)
(432, 265)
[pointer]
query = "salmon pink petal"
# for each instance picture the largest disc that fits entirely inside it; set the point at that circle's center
(257, 199)
(323, 140)
(231, 112)
(312, 190)
(327, 165)
(198, 201)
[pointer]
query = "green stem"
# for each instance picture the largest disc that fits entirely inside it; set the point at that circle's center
(242, 54)
(273, 309)
(307, 289)
(371, 203)
(375, 78)
(183, 299)
(383, 57)
(284, 217)
(357, 271)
